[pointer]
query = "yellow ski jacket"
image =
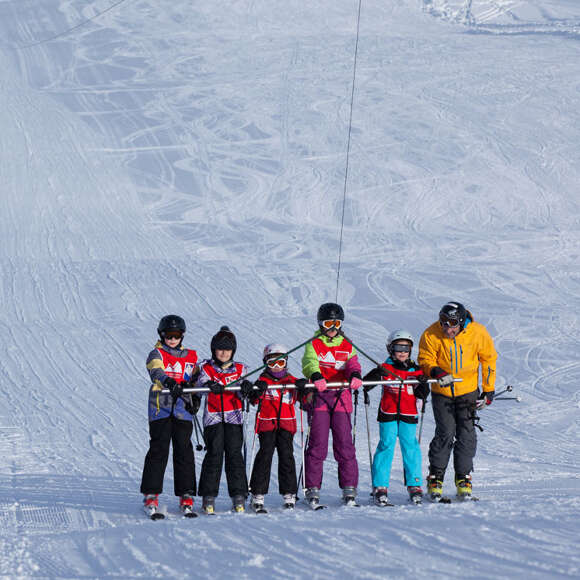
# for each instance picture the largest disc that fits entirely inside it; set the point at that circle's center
(462, 356)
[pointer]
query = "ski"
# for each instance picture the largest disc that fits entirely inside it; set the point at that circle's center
(380, 499)
(259, 508)
(153, 513)
(315, 504)
(188, 512)
(383, 503)
(350, 502)
(436, 498)
(466, 498)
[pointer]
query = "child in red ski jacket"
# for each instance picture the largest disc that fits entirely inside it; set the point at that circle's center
(170, 366)
(398, 417)
(223, 423)
(275, 426)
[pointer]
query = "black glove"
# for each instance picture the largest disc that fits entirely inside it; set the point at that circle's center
(246, 388)
(315, 377)
(214, 387)
(262, 386)
(484, 399)
(443, 377)
(193, 407)
(375, 375)
(174, 387)
(422, 389)
(301, 388)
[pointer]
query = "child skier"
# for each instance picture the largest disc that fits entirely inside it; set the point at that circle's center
(223, 423)
(170, 366)
(330, 357)
(398, 418)
(276, 426)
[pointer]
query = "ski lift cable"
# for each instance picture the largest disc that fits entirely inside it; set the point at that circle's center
(348, 150)
(72, 28)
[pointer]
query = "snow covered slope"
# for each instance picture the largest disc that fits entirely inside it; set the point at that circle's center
(189, 157)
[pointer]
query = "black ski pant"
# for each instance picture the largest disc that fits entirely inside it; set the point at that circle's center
(162, 432)
(282, 441)
(222, 440)
(454, 429)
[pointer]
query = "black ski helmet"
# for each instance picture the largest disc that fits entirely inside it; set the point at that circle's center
(170, 322)
(453, 311)
(223, 339)
(330, 311)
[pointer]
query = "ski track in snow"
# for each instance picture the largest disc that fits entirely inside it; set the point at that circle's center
(189, 158)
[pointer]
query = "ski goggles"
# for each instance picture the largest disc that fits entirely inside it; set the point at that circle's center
(279, 363)
(173, 334)
(449, 322)
(328, 324)
(401, 347)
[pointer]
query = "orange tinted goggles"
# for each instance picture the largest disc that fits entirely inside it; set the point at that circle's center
(276, 363)
(328, 324)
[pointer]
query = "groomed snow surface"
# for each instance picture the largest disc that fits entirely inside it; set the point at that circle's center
(189, 157)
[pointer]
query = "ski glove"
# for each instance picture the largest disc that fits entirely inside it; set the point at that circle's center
(444, 379)
(484, 399)
(422, 388)
(246, 388)
(355, 381)
(193, 407)
(375, 375)
(319, 382)
(214, 387)
(174, 387)
(261, 386)
(300, 385)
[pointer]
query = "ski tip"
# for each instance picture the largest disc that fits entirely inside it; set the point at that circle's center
(157, 516)
(440, 499)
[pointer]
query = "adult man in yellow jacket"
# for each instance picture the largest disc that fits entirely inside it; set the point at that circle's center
(456, 347)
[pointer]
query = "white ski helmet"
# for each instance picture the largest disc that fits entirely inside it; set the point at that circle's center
(274, 349)
(397, 335)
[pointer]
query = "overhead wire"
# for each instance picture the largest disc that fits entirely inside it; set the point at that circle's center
(72, 28)
(340, 243)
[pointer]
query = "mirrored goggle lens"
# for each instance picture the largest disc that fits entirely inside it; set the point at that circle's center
(328, 324)
(173, 334)
(276, 362)
(449, 322)
(401, 348)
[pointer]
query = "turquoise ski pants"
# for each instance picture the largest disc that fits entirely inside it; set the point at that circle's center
(410, 450)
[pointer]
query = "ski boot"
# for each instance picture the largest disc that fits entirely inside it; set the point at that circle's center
(435, 486)
(312, 496)
(186, 506)
(208, 505)
(238, 504)
(151, 506)
(415, 494)
(463, 485)
(349, 496)
(381, 497)
(257, 503)
(289, 501)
